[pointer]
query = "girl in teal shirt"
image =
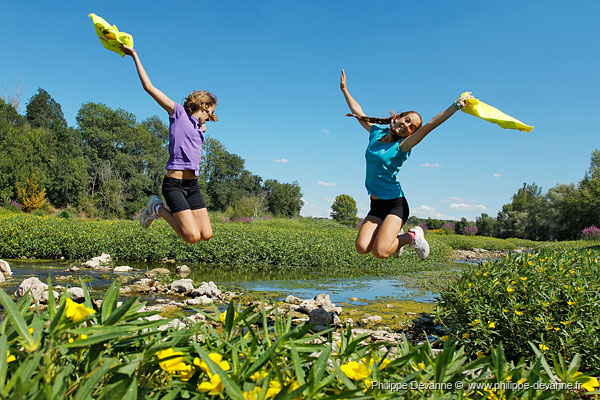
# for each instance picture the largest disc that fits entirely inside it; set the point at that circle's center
(381, 231)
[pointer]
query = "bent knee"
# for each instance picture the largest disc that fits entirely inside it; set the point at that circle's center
(361, 249)
(206, 236)
(192, 238)
(381, 253)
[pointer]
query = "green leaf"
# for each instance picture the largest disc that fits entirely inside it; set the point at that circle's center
(3, 362)
(119, 312)
(19, 322)
(109, 301)
(231, 388)
(90, 381)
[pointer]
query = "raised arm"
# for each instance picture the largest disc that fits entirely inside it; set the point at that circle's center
(162, 99)
(352, 104)
(414, 139)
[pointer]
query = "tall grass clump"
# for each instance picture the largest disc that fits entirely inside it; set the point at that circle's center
(75, 351)
(549, 298)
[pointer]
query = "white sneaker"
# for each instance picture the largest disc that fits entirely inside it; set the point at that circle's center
(419, 243)
(400, 250)
(149, 215)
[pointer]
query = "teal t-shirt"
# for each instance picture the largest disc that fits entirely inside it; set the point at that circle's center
(384, 160)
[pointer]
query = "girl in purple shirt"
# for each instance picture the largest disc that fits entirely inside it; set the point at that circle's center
(186, 212)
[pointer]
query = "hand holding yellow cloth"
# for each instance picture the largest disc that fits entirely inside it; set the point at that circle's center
(479, 109)
(109, 36)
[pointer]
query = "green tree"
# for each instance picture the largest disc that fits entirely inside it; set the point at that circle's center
(523, 217)
(486, 225)
(44, 112)
(344, 210)
(283, 199)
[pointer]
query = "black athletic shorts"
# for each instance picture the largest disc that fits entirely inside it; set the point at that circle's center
(182, 194)
(381, 208)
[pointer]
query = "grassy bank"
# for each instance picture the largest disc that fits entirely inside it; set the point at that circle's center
(319, 245)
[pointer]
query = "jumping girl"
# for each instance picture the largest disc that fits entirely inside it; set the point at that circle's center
(381, 231)
(186, 212)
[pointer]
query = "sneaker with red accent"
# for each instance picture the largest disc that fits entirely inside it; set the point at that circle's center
(419, 243)
(149, 214)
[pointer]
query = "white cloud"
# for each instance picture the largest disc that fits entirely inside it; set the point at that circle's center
(326, 183)
(424, 211)
(329, 199)
(465, 206)
(451, 199)
(496, 175)
(325, 131)
(427, 165)
(282, 160)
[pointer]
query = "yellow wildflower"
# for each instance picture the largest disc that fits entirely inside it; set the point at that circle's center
(505, 310)
(70, 340)
(253, 394)
(257, 376)
(216, 358)
(9, 357)
(173, 364)
(518, 312)
(570, 303)
(510, 290)
(523, 278)
(31, 331)
(530, 263)
(83, 336)
(491, 324)
(214, 386)
(75, 311)
(223, 316)
(513, 282)
(543, 347)
(273, 389)
(571, 271)
(590, 384)
(445, 337)
(354, 370)
(565, 323)
(465, 336)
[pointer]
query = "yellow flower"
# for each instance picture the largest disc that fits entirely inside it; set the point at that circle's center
(70, 340)
(545, 303)
(504, 310)
(216, 358)
(590, 384)
(530, 263)
(214, 386)
(174, 364)
(31, 331)
(75, 311)
(465, 336)
(518, 312)
(543, 347)
(570, 303)
(257, 376)
(566, 286)
(491, 324)
(354, 370)
(83, 336)
(273, 389)
(445, 337)
(223, 316)
(186, 373)
(485, 274)
(571, 271)
(253, 394)
(565, 323)
(513, 282)
(384, 363)
(9, 357)
(523, 278)
(510, 290)
(470, 284)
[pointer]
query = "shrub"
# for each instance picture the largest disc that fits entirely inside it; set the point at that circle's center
(549, 297)
(31, 197)
(590, 233)
(448, 227)
(470, 230)
(423, 226)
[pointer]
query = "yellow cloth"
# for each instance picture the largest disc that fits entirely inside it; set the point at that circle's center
(493, 115)
(109, 36)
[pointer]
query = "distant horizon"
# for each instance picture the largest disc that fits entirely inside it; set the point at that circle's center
(275, 69)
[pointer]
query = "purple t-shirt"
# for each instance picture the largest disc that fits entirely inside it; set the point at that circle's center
(185, 141)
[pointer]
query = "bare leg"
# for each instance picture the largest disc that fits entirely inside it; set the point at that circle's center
(366, 234)
(387, 240)
(189, 225)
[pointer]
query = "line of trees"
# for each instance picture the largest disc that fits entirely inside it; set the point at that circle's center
(109, 163)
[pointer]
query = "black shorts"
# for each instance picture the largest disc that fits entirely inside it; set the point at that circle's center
(182, 194)
(382, 208)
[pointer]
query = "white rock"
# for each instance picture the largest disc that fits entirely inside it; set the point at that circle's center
(306, 306)
(198, 301)
(5, 268)
(183, 270)
(182, 286)
(44, 299)
(96, 262)
(2, 279)
(76, 294)
(34, 285)
(207, 289)
(123, 268)
(292, 300)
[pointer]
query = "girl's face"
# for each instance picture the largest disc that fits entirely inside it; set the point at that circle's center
(205, 115)
(406, 125)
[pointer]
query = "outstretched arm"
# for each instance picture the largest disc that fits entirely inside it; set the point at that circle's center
(414, 139)
(352, 104)
(162, 99)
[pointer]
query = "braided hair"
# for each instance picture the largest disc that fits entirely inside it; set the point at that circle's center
(384, 121)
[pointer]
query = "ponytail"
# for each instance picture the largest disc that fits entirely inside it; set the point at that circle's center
(384, 121)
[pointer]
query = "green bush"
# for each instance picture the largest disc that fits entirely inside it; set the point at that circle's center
(73, 351)
(549, 297)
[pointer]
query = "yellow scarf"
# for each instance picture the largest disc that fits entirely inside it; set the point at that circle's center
(493, 115)
(109, 36)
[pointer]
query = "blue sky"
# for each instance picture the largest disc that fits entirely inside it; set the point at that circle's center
(274, 66)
